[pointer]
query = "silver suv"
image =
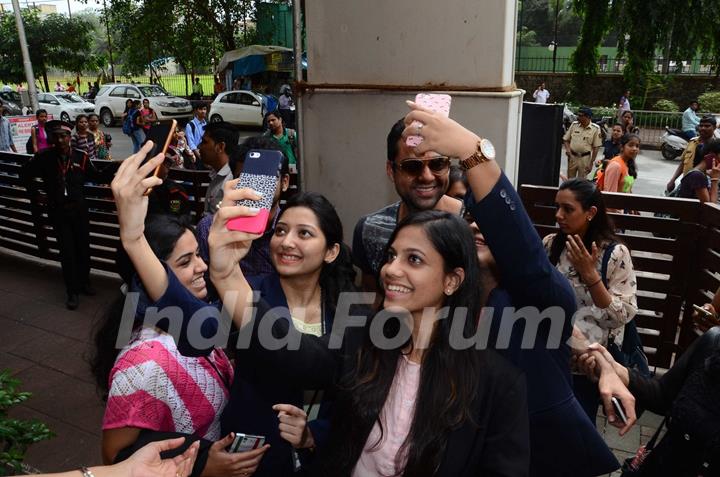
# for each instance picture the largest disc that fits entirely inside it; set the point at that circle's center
(110, 101)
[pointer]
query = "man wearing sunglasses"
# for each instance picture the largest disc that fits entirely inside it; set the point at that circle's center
(421, 182)
(582, 143)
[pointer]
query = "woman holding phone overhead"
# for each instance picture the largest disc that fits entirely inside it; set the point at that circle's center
(516, 274)
(481, 429)
(170, 273)
(312, 267)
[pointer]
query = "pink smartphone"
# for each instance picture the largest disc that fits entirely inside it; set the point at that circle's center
(438, 103)
(261, 172)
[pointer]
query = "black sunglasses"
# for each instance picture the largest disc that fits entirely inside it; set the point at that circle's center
(415, 167)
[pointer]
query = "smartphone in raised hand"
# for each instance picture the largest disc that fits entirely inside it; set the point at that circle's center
(261, 172)
(437, 103)
(161, 135)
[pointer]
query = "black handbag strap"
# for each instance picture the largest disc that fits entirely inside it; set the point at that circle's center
(653, 440)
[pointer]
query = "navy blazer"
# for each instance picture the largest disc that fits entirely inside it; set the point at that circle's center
(252, 396)
(563, 441)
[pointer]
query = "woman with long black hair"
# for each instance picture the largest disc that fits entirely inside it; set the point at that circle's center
(425, 404)
(599, 267)
(162, 381)
(312, 268)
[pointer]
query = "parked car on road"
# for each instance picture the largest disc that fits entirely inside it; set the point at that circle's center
(12, 101)
(238, 107)
(110, 102)
(65, 106)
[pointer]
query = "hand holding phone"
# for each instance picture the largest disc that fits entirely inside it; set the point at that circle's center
(437, 103)
(246, 442)
(261, 172)
(161, 135)
(619, 410)
(703, 311)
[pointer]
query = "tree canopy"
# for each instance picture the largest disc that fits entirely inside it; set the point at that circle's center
(680, 29)
(53, 41)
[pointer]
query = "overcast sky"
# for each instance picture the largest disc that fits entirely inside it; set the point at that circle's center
(62, 5)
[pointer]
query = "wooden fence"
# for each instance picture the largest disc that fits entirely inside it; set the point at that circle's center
(25, 227)
(676, 259)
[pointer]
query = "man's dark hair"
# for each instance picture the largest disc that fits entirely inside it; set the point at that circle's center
(200, 105)
(710, 119)
(712, 146)
(392, 140)
(257, 142)
(226, 133)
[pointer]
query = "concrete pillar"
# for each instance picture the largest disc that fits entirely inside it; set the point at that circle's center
(366, 57)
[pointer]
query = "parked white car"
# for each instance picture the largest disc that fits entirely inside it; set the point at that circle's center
(238, 107)
(110, 102)
(65, 106)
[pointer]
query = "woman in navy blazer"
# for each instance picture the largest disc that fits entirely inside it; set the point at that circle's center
(563, 441)
(312, 262)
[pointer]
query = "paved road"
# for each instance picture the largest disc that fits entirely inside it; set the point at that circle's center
(653, 172)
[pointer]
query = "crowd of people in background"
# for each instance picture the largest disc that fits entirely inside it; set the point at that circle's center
(457, 238)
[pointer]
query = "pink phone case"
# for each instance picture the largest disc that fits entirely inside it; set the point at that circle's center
(438, 103)
(252, 225)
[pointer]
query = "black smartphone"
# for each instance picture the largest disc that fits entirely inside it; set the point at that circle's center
(261, 172)
(161, 135)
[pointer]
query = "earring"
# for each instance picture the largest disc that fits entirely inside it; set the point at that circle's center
(448, 292)
(589, 219)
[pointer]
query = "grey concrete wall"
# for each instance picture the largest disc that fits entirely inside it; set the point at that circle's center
(386, 51)
(407, 42)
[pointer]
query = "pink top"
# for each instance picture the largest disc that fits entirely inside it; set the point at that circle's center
(41, 138)
(153, 386)
(380, 458)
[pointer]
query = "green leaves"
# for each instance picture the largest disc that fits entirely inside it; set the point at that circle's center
(16, 435)
(677, 30)
(54, 41)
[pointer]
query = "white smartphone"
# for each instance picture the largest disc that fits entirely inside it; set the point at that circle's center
(702, 310)
(619, 409)
(246, 442)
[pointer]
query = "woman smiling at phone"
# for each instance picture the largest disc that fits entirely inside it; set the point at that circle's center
(312, 268)
(161, 381)
(421, 406)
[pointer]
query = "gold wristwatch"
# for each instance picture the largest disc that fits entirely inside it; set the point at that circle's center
(484, 152)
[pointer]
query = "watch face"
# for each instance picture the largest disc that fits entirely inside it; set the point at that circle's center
(487, 149)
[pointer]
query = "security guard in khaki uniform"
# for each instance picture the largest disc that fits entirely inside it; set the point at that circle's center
(582, 143)
(706, 131)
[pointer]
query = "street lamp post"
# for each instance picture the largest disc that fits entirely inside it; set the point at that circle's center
(29, 76)
(557, 12)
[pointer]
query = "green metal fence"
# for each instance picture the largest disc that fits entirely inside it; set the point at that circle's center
(608, 64)
(174, 84)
